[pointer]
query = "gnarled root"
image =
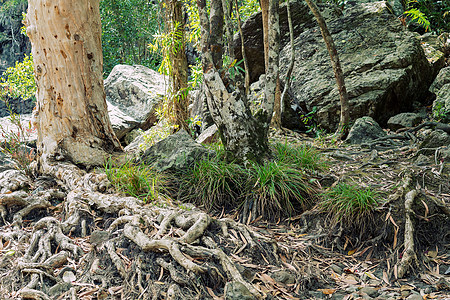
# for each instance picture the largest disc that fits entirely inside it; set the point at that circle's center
(409, 255)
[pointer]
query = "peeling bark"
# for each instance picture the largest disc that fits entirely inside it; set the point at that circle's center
(71, 114)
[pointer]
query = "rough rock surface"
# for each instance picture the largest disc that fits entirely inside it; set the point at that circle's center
(384, 66)
(302, 19)
(209, 135)
(237, 291)
(403, 120)
(441, 87)
(133, 93)
(435, 139)
(174, 153)
(364, 130)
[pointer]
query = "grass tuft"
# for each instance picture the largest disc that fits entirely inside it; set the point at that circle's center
(140, 181)
(300, 157)
(349, 204)
(278, 190)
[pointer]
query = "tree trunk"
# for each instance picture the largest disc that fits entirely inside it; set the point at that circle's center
(244, 137)
(179, 76)
(71, 113)
(342, 129)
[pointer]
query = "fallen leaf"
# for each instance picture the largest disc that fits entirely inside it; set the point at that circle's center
(351, 252)
(327, 291)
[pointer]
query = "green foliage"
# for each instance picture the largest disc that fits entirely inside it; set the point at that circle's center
(273, 189)
(127, 28)
(14, 140)
(419, 17)
(18, 81)
(349, 204)
(140, 181)
(430, 14)
(165, 44)
(300, 157)
(440, 112)
(278, 189)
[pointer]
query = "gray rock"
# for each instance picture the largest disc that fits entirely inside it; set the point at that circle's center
(403, 120)
(132, 135)
(441, 106)
(237, 291)
(435, 139)
(283, 277)
(176, 152)
(302, 19)
(422, 160)
(209, 135)
(370, 291)
(292, 110)
(441, 79)
(132, 95)
(364, 130)
(384, 66)
(336, 269)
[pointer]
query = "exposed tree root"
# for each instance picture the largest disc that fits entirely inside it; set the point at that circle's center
(409, 254)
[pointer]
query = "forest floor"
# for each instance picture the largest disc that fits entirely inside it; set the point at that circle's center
(60, 243)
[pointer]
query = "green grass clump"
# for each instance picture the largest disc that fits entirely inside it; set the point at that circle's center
(349, 204)
(140, 181)
(277, 189)
(213, 183)
(300, 157)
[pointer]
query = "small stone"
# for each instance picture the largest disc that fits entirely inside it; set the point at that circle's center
(283, 277)
(336, 269)
(422, 160)
(405, 293)
(237, 291)
(415, 297)
(98, 237)
(404, 120)
(364, 130)
(370, 291)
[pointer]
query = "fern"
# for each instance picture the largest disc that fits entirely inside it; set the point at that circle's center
(416, 15)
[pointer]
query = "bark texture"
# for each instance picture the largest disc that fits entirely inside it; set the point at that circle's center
(342, 129)
(179, 77)
(244, 136)
(71, 114)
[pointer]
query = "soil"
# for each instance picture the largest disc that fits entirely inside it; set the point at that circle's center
(64, 239)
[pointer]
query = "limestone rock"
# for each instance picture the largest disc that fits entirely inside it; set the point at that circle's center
(237, 291)
(404, 120)
(441, 79)
(174, 153)
(132, 94)
(435, 139)
(209, 135)
(364, 130)
(441, 106)
(302, 19)
(384, 66)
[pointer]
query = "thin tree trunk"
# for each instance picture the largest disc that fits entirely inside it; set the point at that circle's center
(272, 64)
(244, 55)
(227, 8)
(243, 136)
(179, 77)
(287, 81)
(71, 114)
(342, 129)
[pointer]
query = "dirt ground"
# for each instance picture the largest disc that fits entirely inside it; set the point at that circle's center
(76, 239)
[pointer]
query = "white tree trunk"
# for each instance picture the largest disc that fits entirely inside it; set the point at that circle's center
(71, 113)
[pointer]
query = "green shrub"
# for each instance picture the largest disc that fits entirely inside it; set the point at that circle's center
(349, 204)
(140, 181)
(300, 157)
(18, 81)
(277, 189)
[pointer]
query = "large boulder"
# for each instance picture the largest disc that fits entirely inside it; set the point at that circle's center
(132, 94)
(384, 66)
(364, 130)
(175, 153)
(302, 19)
(441, 87)
(404, 120)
